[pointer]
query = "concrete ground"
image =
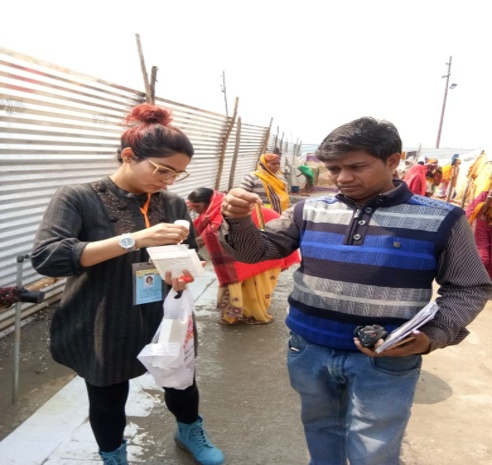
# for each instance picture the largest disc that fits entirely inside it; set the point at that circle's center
(251, 412)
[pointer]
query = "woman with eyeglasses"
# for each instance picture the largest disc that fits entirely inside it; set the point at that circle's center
(96, 235)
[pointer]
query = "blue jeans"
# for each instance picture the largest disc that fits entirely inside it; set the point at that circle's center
(353, 406)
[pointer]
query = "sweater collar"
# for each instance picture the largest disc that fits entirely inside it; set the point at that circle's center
(400, 194)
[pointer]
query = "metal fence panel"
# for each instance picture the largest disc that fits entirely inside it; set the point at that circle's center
(60, 127)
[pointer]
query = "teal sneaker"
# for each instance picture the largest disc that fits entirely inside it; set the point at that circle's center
(193, 439)
(117, 457)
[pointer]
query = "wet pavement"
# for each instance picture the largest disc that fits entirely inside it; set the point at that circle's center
(249, 409)
(251, 412)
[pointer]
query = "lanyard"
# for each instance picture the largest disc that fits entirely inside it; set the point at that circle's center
(144, 211)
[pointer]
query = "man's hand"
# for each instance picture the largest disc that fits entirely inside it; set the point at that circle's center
(239, 203)
(419, 345)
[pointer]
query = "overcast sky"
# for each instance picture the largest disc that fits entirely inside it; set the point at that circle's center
(312, 65)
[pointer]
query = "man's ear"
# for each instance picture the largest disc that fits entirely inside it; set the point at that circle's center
(394, 160)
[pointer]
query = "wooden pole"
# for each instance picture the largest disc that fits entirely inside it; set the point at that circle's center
(236, 154)
(224, 145)
(444, 102)
(263, 148)
(224, 90)
(276, 139)
(418, 154)
(153, 80)
(148, 96)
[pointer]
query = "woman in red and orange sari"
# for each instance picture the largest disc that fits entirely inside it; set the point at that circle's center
(479, 214)
(245, 290)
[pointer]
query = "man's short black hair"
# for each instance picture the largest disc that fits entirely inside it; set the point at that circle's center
(378, 138)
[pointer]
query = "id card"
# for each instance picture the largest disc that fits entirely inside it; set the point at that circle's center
(147, 284)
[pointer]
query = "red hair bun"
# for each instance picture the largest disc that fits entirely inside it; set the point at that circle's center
(150, 114)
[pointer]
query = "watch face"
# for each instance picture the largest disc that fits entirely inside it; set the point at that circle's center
(127, 242)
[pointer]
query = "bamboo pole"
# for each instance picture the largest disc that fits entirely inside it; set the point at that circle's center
(418, 154)
(148, 94)
(236, 154)
(224, 145)
(276, 139)
(265, 141)
(153, 80)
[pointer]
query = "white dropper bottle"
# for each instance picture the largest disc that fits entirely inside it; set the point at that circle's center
(184, 223)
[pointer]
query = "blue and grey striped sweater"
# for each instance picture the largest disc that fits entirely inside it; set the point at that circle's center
(371, 265)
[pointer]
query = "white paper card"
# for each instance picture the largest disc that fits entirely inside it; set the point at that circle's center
(175, 258)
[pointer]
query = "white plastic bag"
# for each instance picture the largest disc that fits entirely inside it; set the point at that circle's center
(170, 357)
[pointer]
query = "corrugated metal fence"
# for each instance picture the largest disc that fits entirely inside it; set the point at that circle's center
(61, 127)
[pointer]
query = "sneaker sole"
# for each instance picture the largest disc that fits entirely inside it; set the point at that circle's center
(180, 444)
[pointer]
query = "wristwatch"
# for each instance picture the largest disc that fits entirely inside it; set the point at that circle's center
(127, 242)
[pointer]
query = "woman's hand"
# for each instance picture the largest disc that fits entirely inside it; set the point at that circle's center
(181, 283)
(239, 203)
(160, 234)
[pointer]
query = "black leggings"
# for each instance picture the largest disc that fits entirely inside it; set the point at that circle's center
(107, 410)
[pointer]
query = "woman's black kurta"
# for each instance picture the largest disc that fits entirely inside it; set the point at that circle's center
(96, 330)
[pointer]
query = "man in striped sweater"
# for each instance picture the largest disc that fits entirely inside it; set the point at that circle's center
(369, 256)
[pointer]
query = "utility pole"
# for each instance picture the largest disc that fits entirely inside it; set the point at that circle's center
(223, 87)
(444, 102)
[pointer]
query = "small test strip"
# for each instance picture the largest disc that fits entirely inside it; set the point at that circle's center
(259, 215)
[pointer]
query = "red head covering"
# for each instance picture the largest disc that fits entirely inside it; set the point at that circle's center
(415, 179)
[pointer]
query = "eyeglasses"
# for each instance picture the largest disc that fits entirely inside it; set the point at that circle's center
(168, 173)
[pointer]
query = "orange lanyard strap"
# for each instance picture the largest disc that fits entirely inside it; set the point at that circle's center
(144, 211)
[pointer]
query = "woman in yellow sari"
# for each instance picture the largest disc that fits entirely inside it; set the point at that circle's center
(246, 290)
(268, 182)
